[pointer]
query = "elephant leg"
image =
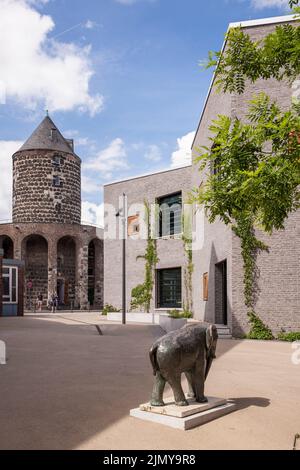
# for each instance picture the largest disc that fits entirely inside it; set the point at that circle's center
(199, 380)
(175, 384)
(190, 380)
(158, 390)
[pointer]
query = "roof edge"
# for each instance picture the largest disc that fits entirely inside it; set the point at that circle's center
(145, 175)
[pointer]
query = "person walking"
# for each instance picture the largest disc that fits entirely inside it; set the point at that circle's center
(39, 302)
(54, 302)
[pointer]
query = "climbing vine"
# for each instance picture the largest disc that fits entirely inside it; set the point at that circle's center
(141, 295)
(189, 268)
(250, 248)
(255, 166)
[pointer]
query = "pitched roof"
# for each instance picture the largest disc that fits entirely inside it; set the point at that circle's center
(47, 137)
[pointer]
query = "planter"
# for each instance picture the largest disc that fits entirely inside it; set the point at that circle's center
(134, 317)
(171, 324)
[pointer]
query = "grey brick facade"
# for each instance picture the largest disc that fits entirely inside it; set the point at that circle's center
(278, 303)
(170, 250)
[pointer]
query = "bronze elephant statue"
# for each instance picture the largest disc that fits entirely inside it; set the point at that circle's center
(189, 350)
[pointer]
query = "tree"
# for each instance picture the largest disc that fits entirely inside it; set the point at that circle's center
(256, 164)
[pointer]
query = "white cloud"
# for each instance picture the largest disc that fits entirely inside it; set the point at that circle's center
(7, 149)
(89, 186)
(89, 24)
(92, 213)
(112, 158)
(261, 4)
(153, 153)
(183, 155)
(41, 71)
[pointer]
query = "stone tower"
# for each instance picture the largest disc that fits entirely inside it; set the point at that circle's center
(61, 256)
(46, 178)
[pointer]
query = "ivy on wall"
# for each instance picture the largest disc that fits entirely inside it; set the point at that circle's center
(256, 166)
(189, 268)
(142, 294)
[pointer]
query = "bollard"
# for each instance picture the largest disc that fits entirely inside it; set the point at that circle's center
(2, 353)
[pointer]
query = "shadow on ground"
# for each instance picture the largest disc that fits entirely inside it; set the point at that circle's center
(64, 383)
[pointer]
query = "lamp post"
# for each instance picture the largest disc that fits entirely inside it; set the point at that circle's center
(122, 213)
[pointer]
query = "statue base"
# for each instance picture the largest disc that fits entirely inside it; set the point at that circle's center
(184, 417)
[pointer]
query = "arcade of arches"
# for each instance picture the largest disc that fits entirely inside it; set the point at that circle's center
(69, 266)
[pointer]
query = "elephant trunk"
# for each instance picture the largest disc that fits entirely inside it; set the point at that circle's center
(208, 364)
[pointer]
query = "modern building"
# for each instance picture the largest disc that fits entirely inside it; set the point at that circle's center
(217, 279)
(11, 287)
(61, 255)
(164, 188)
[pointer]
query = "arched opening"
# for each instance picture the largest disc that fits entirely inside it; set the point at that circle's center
(7, 245)
(66, 271)
(95, 273)
(35, 255)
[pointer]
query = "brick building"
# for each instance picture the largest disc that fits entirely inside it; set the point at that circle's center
(61, 255)
(217, 280)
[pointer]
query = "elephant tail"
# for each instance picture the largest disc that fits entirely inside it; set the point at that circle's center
(153, 359)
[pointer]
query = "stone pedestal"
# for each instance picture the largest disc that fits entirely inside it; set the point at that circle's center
(184, 417)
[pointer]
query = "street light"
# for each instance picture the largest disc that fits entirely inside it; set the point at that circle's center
(122, 213)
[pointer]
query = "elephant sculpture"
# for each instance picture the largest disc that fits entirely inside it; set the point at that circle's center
(189, 350)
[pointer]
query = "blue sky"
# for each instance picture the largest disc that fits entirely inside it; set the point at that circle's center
(121, 77)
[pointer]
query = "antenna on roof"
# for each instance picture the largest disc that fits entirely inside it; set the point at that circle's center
(47, 112)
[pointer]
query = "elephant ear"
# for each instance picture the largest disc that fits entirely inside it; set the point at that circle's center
(210, 335)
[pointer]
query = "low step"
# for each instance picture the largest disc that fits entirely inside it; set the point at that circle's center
(224, 332)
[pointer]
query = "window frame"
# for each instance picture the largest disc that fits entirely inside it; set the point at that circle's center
(159, 229)
(158, 303)
(7, 299)
(57, 160)
(57, 178)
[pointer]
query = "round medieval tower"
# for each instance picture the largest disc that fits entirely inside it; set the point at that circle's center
(63, 258)
(46, 179)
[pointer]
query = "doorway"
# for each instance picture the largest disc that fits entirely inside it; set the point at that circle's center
(61, 290)
(221, 293)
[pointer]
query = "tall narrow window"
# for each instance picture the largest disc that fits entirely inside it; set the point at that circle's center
(56, 160)
(170, 211)
(10, 285)
(169, 288)
(56, 181)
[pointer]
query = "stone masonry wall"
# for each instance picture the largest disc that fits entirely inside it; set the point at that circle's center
(46, 256)
(35, 198)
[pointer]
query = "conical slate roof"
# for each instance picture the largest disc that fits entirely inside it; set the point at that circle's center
(47, 137)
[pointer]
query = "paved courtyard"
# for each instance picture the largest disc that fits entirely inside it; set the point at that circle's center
(67, 387)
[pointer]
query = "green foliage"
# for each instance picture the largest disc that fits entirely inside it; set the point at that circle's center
(276, 56)
(189, 268)
(141, 295)
(291, 336)
(258, 329)
(256, 176)
(178, 314)
(109, 308)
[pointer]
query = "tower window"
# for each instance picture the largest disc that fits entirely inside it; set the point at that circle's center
(53, 134)
(57, 160)
(57, 181)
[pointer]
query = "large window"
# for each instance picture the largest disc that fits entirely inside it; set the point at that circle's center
(169, 288)
(10, 285)
(170, 210)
